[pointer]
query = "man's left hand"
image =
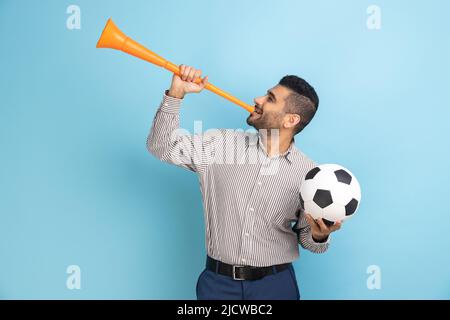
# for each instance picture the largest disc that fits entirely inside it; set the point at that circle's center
(319, 229)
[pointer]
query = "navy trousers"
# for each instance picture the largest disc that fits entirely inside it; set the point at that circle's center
(278, 286)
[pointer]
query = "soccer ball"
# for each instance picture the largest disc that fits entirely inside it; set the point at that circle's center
(330, 192)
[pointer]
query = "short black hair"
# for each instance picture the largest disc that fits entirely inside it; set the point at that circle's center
(302, 101)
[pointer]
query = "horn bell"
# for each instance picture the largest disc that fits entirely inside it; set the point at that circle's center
(111, 37)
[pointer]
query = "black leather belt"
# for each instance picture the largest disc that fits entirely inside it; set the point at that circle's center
(243, 272)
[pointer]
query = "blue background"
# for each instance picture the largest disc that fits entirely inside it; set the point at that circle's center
(78, 186)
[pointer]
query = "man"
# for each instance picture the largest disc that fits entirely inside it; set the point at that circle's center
(250, 186)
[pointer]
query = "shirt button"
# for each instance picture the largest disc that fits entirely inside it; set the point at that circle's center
(246, 234)
(251, 209)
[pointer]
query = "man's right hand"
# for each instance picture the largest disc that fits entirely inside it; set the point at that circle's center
(184, 83)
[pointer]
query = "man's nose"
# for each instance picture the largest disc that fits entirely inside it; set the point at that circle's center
(258, 100)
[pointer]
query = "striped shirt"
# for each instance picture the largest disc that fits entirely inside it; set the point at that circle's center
(251, 202)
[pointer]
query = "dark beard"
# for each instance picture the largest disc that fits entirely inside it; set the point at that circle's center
(266, 121)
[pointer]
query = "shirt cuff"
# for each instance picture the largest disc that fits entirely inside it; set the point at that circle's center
(170, 104)
(325, 243)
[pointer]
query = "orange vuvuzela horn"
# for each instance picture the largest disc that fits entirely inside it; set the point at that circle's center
(113, 38)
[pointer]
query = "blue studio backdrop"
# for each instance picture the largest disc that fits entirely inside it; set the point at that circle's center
(79, 192)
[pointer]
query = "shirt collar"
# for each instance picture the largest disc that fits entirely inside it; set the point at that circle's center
(287, 154)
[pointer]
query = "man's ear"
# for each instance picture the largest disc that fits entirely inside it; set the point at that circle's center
(291, 120)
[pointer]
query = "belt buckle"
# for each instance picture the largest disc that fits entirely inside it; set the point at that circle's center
(234, 273)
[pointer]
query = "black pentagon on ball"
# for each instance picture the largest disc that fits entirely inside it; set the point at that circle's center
(323, 198)
(312, 173)
(328, 223)
(350, 208)
(343, 176)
